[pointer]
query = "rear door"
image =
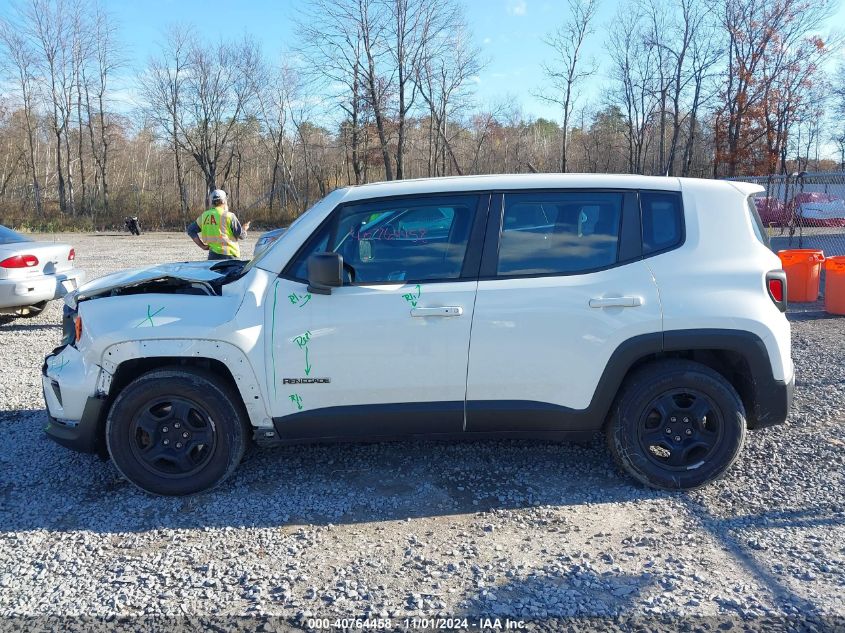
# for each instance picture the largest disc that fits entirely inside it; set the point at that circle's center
(387, 353)
(562, 286)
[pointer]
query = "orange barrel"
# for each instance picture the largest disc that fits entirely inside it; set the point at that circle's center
(803, 267)
(834, 285)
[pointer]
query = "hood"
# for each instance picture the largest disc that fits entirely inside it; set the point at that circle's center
(274, 233)
(188, 272)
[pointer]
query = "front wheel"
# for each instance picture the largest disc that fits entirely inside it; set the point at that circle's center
(677, 425)
(176, 432)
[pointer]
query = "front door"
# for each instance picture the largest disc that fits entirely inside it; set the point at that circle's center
(386, 354)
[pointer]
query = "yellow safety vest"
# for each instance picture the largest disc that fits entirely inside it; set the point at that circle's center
(216, 231)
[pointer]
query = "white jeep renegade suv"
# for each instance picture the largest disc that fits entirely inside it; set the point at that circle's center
(545, 306)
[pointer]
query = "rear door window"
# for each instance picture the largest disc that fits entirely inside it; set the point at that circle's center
(559, 233)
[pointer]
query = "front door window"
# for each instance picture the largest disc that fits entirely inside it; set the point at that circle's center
(407, 241)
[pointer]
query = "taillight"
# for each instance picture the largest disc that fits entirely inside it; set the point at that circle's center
(72, 255)
(776, 289)
(19, 261)
(776, 285)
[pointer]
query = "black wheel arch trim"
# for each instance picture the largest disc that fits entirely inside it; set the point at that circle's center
(767, 400)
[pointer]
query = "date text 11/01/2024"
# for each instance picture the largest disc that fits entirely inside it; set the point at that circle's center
(416, 624)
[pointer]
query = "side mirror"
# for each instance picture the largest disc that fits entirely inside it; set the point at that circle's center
(325, 271)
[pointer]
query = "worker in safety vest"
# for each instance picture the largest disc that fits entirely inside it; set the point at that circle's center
(218, 230)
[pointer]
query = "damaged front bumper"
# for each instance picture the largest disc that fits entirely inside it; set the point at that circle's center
(75, 405)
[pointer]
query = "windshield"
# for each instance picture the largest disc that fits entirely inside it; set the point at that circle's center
(264, 252)
(8, 236)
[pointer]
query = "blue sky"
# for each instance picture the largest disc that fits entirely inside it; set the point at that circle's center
(509, 33)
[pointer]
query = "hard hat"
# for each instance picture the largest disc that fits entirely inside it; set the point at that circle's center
(218, 195)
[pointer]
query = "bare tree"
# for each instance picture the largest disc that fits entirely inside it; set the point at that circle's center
(761, 34)
(384, 89)
(21, 66)
(705, 53)
(105, 62)
(413, 23)
(275, 103)
(372, 25)
(685, 48)
(332, 44)
(79, 55)
(445, 79)
(163, 87)
(634, 90)
(568, 70)
(46, 26)
(220, 92)
(838, 96)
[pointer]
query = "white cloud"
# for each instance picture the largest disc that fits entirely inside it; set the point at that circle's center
(487, 40)
(517, 7)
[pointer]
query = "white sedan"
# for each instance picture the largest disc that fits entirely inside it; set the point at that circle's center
(33, 273)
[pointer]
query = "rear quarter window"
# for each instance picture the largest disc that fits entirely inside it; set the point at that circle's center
(662, 220)
(757, 222)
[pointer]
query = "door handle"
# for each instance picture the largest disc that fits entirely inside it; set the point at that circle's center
(616, 302)
(445, 311)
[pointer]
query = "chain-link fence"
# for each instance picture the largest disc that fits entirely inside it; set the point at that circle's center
(803, 210)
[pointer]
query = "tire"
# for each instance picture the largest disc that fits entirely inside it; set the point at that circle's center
(676, 425)
(176, 431)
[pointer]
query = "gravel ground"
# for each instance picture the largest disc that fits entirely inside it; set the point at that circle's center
(532, 531)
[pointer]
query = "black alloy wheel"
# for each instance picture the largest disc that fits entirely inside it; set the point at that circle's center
(680, 429)
(676, 425)
(173, 437)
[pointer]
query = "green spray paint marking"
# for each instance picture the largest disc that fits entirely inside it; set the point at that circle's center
(299, 300)
(411, 297)
(297, 400)
(273, 340)
(302, 339)
(58, 367)
(150, 316)
(302, 342)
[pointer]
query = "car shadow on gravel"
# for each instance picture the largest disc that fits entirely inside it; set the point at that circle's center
(16, 326)
(812, 315)
(44, 486)
(725, 531)
(578, 593)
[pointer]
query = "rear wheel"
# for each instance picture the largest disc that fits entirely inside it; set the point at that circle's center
(677, 425)
(176, 432)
